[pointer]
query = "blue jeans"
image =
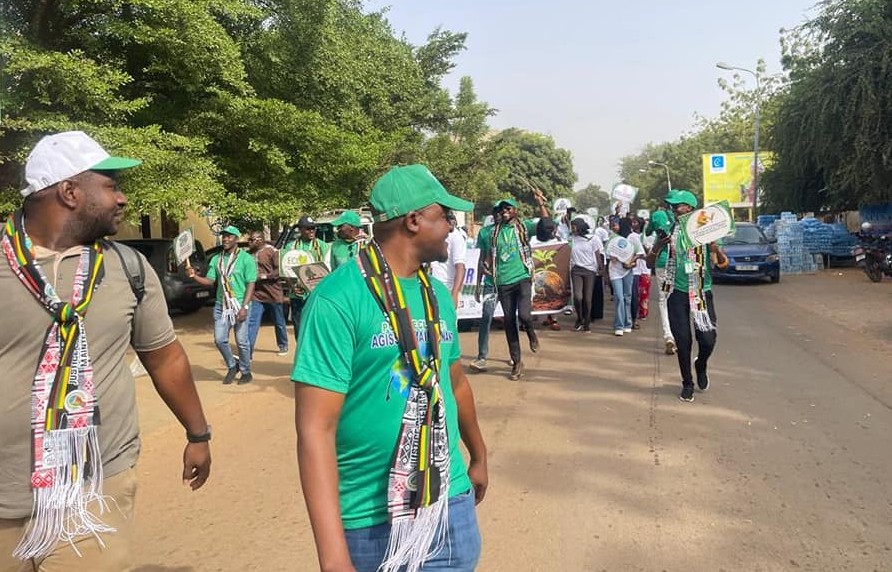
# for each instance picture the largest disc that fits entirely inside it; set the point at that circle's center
(490, 299)
(255, 317)
(622, 301)
(460, 552)
(297, 306)
(221, 338)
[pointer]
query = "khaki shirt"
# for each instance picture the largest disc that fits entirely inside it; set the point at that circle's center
(113, 322)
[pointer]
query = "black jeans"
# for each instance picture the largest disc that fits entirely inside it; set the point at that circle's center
(517, 304)
(680, 322)
(583, 286)
(598, 298)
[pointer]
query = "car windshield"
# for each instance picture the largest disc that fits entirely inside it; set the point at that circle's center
(746, 235)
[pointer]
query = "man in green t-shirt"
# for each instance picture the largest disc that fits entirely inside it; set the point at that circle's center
(312, 250)
(358, 398)
(235, 272)
(689, 275)
(345, 247)
(511, 262)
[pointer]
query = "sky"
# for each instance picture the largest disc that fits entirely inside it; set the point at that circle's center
(602, 78)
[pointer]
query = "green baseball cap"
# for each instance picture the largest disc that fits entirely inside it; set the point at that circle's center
(509, 201)
(410, 188)
(676, 197)
(347, 217)
(231, 230)
(659, 220)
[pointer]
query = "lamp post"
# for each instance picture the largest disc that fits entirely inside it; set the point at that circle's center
(665, 166)
(755, 74)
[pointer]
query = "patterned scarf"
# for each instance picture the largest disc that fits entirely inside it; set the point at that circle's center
(231, 304)
(696, 260)
(418, 484)
(523, 246)
(66, 471)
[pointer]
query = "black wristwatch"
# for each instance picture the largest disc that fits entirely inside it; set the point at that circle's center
(200, 438)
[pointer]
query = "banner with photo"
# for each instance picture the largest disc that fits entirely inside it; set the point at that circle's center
(551, 282)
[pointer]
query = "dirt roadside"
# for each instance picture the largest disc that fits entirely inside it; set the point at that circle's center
(585, 455)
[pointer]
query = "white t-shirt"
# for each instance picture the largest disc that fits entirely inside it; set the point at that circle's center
(603, 234)
(616, 269)
(534, 241)
(640, 264)
(586, 252)
(458, 250)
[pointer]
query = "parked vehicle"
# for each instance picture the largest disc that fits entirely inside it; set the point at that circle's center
(874, 254)
(324, 229)
(181, 292)
(750, 255)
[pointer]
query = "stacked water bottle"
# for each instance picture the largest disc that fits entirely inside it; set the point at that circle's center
(795, 258)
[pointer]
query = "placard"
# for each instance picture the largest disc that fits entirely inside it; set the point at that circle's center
(290, 260)
(706, 225)
(620, 248)
(624, 193)
(309, 275)
(184, 246)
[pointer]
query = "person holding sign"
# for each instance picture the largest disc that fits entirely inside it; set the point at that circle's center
(622, 255)
(511, 261)
(689, 283)
(379, 370)
(235, 272)
(311, 250)
(347, 244)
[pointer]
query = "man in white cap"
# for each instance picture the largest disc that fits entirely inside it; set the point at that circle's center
(71, 311)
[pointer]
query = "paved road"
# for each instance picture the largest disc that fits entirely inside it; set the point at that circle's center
(595, 464)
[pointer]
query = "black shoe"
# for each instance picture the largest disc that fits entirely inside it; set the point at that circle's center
(230, 375)
(702, 378)
(687, 394)
(245, 378)
(516, 371)
(578, 326)
(534, 343)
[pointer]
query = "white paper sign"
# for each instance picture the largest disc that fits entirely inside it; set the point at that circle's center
(620, 248)
(708, 224)
(561, 205)
(625, 193)
(643, 213)
(184, 246)
(291, 259)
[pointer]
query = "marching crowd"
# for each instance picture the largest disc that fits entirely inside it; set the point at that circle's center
(381, 397)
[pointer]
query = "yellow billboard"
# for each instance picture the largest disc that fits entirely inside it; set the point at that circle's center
(729, 177)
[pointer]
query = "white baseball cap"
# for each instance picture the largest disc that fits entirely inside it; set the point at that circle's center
(63, 155)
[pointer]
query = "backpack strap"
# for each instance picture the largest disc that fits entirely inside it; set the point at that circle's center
(133, 267)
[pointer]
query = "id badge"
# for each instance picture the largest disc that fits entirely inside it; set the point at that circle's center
(688, 267)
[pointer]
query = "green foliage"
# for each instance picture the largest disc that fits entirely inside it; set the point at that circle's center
(260, 109)
(592, 196)
(833, 134)
(527, 159)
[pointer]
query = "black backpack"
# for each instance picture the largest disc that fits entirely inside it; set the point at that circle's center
(133, 267)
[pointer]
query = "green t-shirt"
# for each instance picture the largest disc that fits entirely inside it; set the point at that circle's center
(509, 266)
(342, 252)
(317, 251)
(681, 277)
(484, 238)
(243, 273)
(347, 346)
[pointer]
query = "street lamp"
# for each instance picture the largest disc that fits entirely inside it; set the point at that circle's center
(755, 74)
(653, 164)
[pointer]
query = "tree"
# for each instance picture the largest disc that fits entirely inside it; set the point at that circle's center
(833, 134)
(527, 159)
(592, 196)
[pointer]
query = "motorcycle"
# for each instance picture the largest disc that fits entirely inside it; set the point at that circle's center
(874, 254)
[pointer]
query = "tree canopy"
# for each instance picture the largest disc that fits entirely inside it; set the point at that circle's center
(262, 109)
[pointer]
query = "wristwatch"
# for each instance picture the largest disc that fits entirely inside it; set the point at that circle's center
(200, 438)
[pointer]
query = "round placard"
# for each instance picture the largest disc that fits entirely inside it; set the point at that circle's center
(708, 224)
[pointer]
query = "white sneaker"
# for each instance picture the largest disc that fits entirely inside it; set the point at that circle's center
(627, 330)
(670, 347)
(478, 365)
(617, 332)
